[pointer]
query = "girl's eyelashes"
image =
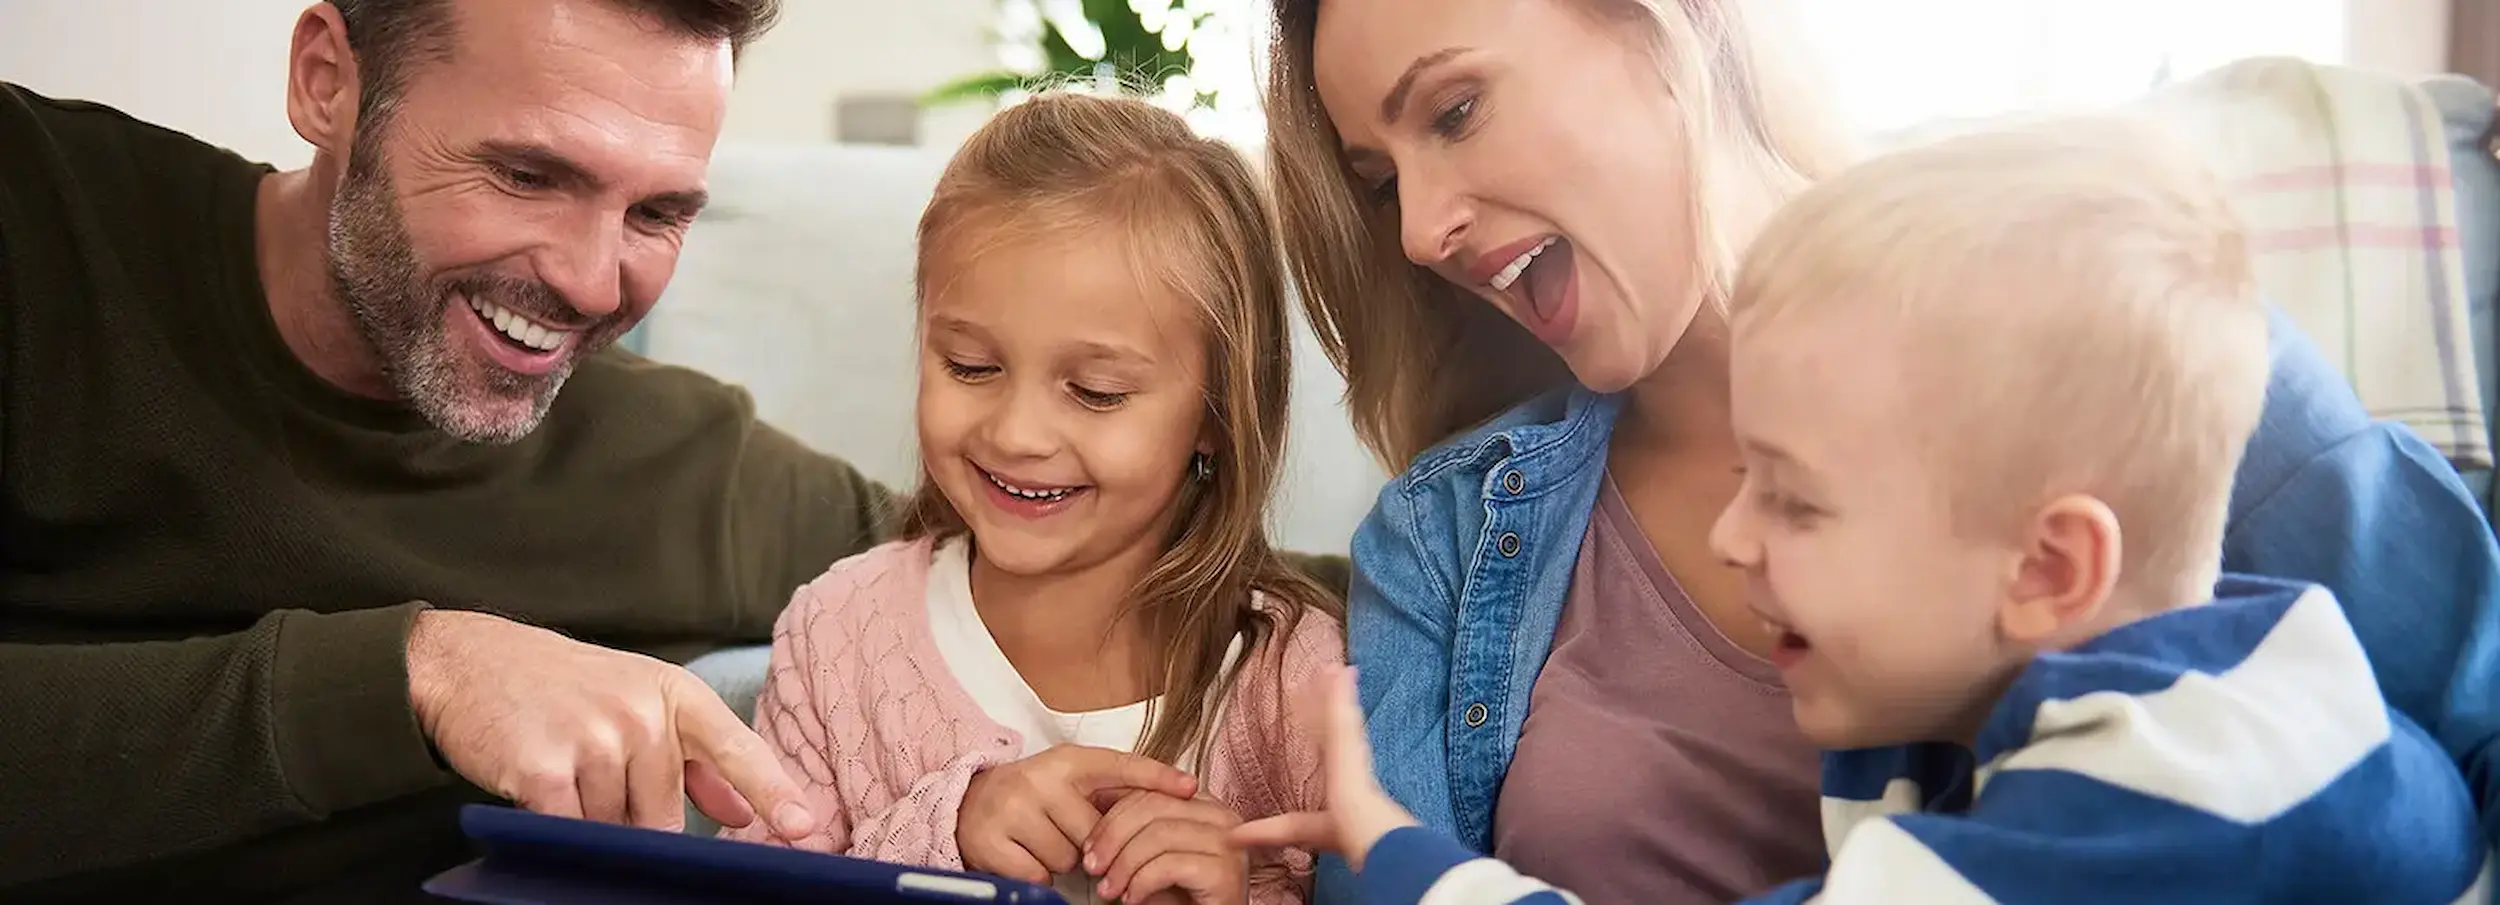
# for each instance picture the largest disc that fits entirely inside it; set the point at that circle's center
(1097, 400)
(970, 373)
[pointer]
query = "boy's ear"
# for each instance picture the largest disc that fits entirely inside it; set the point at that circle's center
(2068, 569)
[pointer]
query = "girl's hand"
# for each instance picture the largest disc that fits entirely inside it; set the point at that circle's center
(1025, 820)
(1359, 812)
(1150, 843)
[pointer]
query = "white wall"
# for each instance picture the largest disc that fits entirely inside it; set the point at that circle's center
(823, 49)
(213, 68)
(2407, 37)
(217, 68)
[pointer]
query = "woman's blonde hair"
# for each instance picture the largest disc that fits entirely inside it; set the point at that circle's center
(1194, 222)
(1393, 328)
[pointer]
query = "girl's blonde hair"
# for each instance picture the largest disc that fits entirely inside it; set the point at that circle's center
(1193, 221)
(1755, 125)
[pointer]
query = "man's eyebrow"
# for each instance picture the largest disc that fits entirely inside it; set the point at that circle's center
(1395, 103)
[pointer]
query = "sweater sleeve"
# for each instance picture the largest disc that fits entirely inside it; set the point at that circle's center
(123, 753)
(797, 510)
(1295, 779)
(884, 779)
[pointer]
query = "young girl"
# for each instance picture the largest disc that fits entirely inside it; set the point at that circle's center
(1073, 668)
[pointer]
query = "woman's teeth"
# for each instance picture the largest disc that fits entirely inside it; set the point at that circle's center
(1039, 496)
(1510, 274)
(519, 329)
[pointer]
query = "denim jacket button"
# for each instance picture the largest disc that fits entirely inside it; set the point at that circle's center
(1514, 483)
(1476, 714)
(1509, 544)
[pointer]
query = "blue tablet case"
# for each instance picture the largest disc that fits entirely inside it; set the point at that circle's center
(534, 859)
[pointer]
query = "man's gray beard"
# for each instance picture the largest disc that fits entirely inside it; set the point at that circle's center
(373, 269)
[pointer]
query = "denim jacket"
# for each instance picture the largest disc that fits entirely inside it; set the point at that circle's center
(1461, 569)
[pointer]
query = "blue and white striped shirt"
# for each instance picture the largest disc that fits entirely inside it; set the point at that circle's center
(2237, 751)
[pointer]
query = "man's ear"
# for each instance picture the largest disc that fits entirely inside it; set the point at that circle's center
(322, 90)
(2068, 569)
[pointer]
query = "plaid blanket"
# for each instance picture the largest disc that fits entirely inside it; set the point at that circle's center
(2343, 177)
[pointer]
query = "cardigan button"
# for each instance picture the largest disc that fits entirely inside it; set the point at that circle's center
(1476, 714)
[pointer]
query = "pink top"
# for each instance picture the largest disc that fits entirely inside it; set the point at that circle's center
(884, 739)
(1643, 700)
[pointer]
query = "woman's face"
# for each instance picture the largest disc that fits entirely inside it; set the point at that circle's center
(1534, 158)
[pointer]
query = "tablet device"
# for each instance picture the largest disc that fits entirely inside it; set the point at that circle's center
(535, 859)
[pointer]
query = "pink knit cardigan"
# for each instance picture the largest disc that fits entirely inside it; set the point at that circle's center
(883, 738)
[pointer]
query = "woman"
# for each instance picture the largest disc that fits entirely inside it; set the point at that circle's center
(1514, 223)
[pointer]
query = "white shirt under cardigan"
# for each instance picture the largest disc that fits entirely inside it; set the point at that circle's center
(972, 654)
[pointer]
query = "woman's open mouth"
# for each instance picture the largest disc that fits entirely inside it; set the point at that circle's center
(1542, 285)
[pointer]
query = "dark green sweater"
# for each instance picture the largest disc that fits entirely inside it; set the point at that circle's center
(212, 557)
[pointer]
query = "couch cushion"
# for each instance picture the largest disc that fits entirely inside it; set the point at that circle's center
(2466, 107)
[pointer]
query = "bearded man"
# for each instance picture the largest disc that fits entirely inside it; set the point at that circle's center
(299, 531)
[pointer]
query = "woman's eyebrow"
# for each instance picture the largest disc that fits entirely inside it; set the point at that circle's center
(1395, 102)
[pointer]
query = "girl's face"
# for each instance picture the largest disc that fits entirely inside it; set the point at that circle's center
(1534, 158)
(1061, 402)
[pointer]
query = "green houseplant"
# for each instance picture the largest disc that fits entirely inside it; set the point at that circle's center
(1139, 45)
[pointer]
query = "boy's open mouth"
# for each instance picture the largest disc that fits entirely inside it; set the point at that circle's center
(1788, 648)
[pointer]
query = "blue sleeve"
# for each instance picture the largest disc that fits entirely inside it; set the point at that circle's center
(2376, 516)
(2383, 521)
(2379, 517)
(1408, 863)
(1398, 613)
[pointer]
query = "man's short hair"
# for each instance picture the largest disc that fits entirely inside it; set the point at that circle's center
(390, 37)
(2082, 315)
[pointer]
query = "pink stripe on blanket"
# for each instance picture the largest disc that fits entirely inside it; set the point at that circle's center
(2326, 175)
(2312, 238)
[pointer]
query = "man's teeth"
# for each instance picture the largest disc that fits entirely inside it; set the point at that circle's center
(521, 329)
(1042, 496)
(1510, 273)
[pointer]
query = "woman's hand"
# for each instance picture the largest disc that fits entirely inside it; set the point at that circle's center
(1150, 843)
(1025, 820)
(1359, 812)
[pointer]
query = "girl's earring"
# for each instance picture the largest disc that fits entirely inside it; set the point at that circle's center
(1201, 467)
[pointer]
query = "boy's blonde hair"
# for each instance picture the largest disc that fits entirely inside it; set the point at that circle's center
(1192, 221)
(2081, 314)
(1757, 124)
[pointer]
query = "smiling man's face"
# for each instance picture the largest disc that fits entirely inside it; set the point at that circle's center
(523, 201)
